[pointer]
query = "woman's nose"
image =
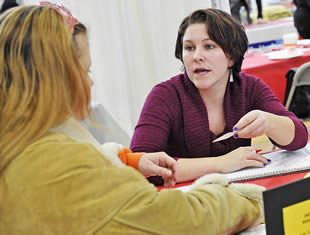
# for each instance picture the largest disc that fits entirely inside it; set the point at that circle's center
(198, 55)
(90, 82)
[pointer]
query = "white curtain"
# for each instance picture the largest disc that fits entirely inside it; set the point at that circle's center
(132, 48)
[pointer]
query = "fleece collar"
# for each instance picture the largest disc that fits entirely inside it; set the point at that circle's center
(73, 129)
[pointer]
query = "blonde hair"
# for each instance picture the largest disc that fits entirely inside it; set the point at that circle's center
(41, 80)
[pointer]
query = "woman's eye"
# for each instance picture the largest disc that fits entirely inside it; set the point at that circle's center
(188, 48)
(210, 46)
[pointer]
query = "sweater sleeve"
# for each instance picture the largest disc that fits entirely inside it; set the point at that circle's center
(264, 99)
(152, 131)
(210, 209)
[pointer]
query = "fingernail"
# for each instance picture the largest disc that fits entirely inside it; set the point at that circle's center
(268, 160)
(236, 135)
(258, 150)
(235, 128)
(265, 164)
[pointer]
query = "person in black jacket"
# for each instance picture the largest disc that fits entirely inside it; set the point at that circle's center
(302, 18)
(7, 4)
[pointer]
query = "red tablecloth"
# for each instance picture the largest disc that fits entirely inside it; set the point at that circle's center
(273, 72)
(269, 183)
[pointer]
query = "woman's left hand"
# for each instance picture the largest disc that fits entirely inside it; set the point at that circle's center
(253, 124)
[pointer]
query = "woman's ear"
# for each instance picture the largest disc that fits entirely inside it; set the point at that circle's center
(230, 63)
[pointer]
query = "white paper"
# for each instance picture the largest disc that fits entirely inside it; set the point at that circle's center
(282, 162)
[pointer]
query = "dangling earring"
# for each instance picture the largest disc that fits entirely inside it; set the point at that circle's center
(231, 76)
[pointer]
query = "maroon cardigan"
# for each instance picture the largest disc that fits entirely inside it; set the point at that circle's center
(174, 118)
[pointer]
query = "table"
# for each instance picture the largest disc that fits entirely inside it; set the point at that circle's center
(272, 30)
(268, 183)
(272, 72)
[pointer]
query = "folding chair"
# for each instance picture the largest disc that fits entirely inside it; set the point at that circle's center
(301, 77)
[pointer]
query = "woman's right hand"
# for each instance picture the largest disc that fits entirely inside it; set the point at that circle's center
(240, 158)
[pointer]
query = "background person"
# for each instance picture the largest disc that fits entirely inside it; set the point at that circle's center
(301, 15)
(184, 115)
(302, 18)
(259, 11)
(7, 4)
(235, 6)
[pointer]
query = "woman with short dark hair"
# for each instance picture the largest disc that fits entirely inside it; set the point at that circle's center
(186, 114)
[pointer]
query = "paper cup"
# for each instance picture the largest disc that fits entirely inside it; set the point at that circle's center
(290, 42)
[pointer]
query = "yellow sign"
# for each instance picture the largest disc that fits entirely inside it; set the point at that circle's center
(296, 219)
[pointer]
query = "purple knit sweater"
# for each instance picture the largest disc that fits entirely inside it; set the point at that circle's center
(174, 118)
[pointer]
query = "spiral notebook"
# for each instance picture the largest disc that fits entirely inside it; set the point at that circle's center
(282, 162)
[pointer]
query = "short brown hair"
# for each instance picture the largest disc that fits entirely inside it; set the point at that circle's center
(222, 29)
